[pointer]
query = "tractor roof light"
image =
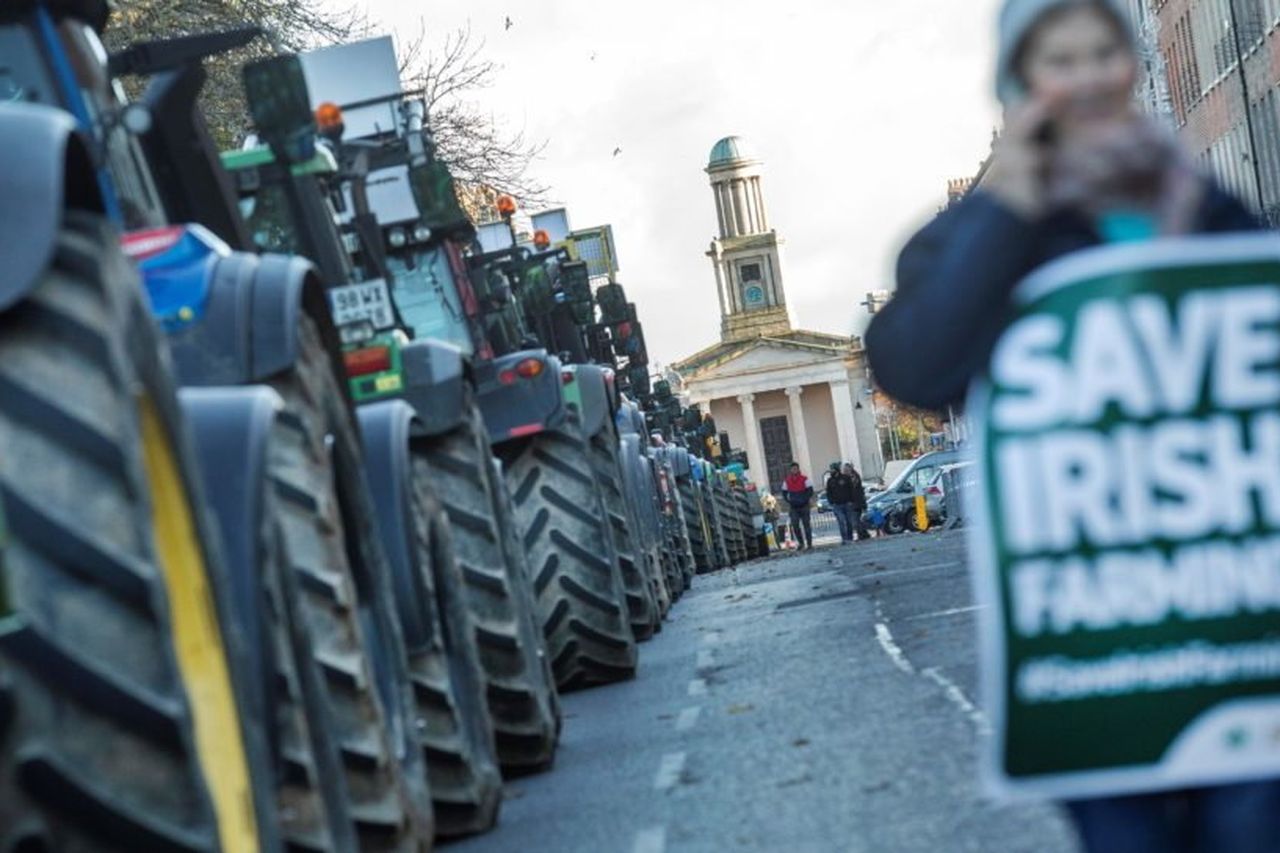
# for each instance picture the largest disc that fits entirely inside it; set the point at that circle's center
(506, 206)
(541, 240)
(329, 121)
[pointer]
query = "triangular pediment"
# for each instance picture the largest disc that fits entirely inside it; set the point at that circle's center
(764, 355)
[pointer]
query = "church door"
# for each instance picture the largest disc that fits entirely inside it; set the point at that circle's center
(776, 438)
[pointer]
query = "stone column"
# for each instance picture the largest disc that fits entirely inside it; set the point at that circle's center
(799, 436)
(740, 208)
(718, 261)
(759, 471)
(843, 401)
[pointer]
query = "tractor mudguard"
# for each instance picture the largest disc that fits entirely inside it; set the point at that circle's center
(248, 329)
(594, 398)
(231, 428)
(386, 429)
(520, 406)
(435, 380)
(50, 171)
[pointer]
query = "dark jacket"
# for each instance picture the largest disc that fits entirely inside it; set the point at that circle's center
(955, 278)
(841, 489)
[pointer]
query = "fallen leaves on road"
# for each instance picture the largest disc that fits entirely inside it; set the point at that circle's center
(800, 741)
(734, 599)
(741, 709)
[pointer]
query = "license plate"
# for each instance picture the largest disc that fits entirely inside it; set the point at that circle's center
(369, 300)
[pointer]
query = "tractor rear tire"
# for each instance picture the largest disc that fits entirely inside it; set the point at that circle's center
(449, 683)
(328, 528)
(100, 743)
(521, 692)
(694, 528)
(642, 609)
(577, 580)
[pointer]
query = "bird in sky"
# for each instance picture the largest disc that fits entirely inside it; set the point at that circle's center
(617, 151)
(510, 23)
(593, 56)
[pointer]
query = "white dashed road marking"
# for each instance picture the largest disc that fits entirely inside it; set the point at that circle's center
(669, 771)
(955, 611)
(652, 840)
(885, 638)
(697, 687)
(688, 718)
(957, 697)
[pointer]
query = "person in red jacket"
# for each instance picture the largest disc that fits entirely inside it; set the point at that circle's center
(798, 490)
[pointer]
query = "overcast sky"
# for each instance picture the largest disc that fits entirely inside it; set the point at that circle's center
(861, 110)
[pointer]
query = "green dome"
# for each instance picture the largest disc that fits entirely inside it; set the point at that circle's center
(729, 150)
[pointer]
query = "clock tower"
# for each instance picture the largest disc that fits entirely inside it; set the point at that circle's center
(748, 264)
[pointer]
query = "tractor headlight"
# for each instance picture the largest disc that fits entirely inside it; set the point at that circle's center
(396, 237)
(421, 233)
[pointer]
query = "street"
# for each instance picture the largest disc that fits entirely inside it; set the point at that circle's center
(816, 702)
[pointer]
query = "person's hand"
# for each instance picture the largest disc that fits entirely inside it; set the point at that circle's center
(1016, 174)
(1135, 164)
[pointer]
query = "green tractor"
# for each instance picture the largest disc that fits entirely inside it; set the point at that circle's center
(544, 419)
(403, 345)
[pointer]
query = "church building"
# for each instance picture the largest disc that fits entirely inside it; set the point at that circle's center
(781, 393)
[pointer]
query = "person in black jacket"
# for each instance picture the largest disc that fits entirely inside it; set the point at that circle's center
(841, 498)
(956, 275)
(1077, 165)
(859, 501)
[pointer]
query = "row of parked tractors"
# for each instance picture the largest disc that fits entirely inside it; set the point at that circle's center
(313, 503)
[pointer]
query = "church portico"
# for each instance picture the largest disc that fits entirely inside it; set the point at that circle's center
(780, 393)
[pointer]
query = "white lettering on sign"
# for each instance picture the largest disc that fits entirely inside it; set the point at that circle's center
(1136, 357)
(1210, 580)
(1176, 480)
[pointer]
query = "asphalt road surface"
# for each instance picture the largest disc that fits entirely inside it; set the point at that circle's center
(818, 702)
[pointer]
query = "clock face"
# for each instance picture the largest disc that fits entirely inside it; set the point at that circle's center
(754, 295)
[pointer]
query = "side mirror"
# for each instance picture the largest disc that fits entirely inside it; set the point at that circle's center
(280, 104)
(905, 489)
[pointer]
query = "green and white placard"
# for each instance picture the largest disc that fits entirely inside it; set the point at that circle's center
(1128, 538)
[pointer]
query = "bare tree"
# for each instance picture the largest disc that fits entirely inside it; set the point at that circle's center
(288, 25)
(484, 157)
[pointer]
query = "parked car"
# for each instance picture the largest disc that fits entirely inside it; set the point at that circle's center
(885, 509)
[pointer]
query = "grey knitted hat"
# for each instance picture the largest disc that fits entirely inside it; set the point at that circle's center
(1017, 19)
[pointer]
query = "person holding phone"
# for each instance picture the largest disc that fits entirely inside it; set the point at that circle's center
(1078, 165)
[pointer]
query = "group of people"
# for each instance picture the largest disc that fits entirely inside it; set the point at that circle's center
(846, 496)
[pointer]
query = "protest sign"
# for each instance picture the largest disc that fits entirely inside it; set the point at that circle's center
(1128, 535)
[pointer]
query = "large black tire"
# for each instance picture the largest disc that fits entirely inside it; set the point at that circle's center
(521, 692)
(695, 528)
(449, 683)
(748, 527)
(311, 794)
(98, 742)
(624, 529)
(315, 809)
(577, 581)
(331, 539)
